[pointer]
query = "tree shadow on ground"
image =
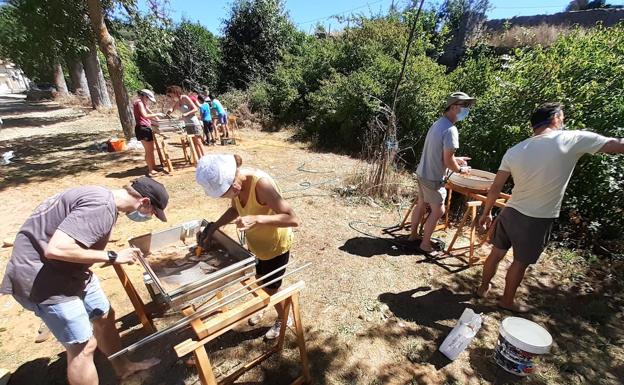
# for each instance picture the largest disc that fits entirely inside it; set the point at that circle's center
(11, 106)
(51, 371)
(368, 247)
(136, 172)
(584, 319)
(45, 157)
(35, 122)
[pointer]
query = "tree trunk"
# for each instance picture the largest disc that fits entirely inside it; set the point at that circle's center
(115, 67)
(59, 79)
(78, 77)
(95, 79)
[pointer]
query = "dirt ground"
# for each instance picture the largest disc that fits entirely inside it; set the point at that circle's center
(374, 311)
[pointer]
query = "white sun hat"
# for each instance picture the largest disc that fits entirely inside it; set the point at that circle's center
(215, 173)
(148, 93)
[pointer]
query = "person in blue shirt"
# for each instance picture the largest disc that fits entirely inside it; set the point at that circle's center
(221, 114)
(204, 110)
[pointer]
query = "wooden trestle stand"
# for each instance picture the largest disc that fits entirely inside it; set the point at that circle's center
(224, 320)
(227, 319)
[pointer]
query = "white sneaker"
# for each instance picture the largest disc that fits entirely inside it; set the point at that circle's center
(253, 321)
(274, 331)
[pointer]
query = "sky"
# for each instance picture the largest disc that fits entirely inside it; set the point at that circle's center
(307, 13)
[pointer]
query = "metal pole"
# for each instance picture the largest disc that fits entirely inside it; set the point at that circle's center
(199, 314)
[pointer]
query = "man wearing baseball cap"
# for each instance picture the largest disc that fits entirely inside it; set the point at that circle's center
(258, 209)
(48, 272)
(439, 155)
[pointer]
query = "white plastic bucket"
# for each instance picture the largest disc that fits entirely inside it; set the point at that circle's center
(520, 343)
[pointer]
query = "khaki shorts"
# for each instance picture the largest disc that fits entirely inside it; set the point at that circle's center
(431, 192)
(527, 235)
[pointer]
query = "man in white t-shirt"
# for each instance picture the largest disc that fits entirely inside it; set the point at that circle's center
(541, 167)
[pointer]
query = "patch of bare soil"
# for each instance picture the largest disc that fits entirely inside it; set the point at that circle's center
(374, 311)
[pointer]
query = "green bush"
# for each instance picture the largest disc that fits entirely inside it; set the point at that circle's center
(584, 70)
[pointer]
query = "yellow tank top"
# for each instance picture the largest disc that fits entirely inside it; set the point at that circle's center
(265, 241)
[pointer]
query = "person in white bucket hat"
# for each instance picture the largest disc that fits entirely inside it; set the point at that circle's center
(259, 210)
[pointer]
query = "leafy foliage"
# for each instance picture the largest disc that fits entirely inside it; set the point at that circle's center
(335, 85)
(582, 70)
(188, 56)
(256, 35)
(36, 33)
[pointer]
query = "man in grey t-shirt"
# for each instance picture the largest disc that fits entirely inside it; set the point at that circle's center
(438, 155)
(48, 272)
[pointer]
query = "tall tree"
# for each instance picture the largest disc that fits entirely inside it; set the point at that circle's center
(59, 79)
(77, 76)
(256, 35)
(114, 65)
(95, 78)
(195, 57)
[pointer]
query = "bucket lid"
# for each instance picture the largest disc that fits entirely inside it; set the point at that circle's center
(526, 335)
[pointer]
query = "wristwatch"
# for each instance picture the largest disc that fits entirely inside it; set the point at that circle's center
(112, 256)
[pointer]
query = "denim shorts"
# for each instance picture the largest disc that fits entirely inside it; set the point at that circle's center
(70, 321)
(222, 118)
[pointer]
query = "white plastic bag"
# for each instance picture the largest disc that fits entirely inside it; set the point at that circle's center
(7, 156)
(134, 144)
(462, 334)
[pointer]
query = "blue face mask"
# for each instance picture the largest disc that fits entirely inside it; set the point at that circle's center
(463, 113)
(137, 216)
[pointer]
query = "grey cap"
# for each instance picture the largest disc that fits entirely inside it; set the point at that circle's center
(459, 97)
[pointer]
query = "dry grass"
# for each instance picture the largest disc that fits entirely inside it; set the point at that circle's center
(519, 36)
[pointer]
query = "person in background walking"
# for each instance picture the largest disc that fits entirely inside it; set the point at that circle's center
(257, 208)
(204, 110)
(541, 167)
(188, 109)
(439, 155)
(143, 117)
(221, 114)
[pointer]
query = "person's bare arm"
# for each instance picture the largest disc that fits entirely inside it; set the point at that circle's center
(145, 112)
(267, 195)
(613, 146)
(189, 103)
(453, 163)
(499, 182)
(62, 247)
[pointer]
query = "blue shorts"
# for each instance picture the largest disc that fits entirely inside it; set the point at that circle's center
(70, 321)
(223, 118)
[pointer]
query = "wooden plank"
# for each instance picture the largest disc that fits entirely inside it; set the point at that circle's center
(303, 353)
(448, 208)
(160, 156)
(204, 367)
(458, 232)
(135, 299)
(284, 316)
(473, 217)
(226, 321)
(197, 325)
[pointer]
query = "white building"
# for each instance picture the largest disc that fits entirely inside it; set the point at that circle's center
(12, 79)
